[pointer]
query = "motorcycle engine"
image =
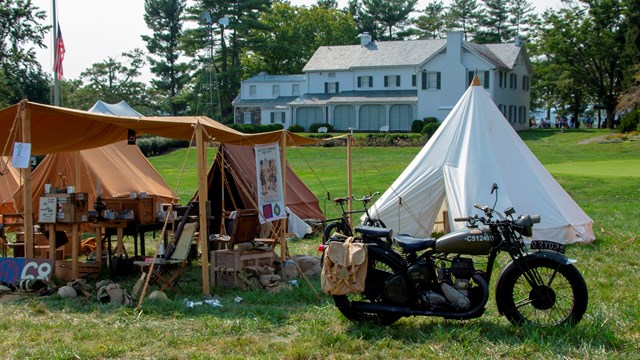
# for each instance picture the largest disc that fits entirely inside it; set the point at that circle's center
(454, 285)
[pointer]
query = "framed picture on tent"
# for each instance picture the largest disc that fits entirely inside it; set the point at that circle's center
(269, 180)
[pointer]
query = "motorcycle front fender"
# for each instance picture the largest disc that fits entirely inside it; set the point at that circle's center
(551, 255)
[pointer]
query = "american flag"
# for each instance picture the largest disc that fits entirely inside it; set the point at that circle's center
(59, 55)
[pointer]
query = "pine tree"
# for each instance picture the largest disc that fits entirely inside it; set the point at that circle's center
(164, 18)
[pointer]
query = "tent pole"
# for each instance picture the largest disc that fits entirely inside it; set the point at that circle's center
(201, 154)
(25, 114)
(283, 222)
(349, 178)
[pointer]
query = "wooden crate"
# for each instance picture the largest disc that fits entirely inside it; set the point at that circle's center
(143, 209)
(225, 264)
(63, 270)
(71, 207)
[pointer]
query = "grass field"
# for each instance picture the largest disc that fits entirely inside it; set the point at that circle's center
(296, 324)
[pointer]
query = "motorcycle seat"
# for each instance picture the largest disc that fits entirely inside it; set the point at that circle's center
(374, 231)
(409, 243)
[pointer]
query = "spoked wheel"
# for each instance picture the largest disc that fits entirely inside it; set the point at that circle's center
(335, 227)
(547, 294)
(379, 271)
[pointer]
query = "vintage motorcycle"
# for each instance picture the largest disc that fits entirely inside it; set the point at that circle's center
(408, 276)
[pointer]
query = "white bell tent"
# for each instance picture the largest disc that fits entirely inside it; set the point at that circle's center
(474, 147)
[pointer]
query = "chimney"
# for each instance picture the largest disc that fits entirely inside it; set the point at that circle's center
(454, 46)
(518, 41)
(365, 39)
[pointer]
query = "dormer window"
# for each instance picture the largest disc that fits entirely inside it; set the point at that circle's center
(252, 90)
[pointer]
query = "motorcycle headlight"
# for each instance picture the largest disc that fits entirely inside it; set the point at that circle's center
(525, 225)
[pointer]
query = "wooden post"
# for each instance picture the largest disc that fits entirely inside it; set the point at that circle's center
(349, 178)
(201, 159)
(25, 114)
(283, 223)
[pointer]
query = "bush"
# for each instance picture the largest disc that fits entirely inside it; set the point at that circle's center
(313, 128)
(629, 122)
(296, 128)
(430, 119)
(429, 129)
(256, 128)
(156, 145)
(416, 126)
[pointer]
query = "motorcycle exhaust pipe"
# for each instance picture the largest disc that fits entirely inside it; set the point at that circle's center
(365, 307)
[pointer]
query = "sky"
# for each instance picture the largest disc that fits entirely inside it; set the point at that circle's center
(94, 30)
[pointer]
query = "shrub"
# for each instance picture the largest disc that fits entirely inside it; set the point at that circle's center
(256, 128)
(430, 119)
(429, 129)
(156, 145)
(416, 126)
(313, 128)
(629, 122)
(296, 128)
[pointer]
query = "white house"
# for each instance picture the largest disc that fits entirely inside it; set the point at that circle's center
(390, 83)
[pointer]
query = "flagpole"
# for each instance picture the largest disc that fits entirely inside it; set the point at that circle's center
(56, 85)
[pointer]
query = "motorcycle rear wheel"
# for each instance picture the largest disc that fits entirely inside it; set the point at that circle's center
(560, 296)
(380, 269)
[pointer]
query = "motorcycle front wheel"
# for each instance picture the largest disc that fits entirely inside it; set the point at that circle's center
(380, 269)
(544, 293)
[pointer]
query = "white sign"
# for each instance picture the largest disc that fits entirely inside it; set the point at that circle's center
(269, 180)
(47, 210)
(21, 155)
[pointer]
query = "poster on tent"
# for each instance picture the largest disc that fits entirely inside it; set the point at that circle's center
(269, 180)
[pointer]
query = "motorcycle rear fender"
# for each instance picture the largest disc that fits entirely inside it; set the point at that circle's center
(551, 255)
(383, 252)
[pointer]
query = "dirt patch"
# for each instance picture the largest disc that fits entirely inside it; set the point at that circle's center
(593, 139)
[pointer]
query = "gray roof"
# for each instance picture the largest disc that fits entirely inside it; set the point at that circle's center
(376, 54)
(279, 102)
(263, 77)
(402, 53)
(501, 55)
(349, 97)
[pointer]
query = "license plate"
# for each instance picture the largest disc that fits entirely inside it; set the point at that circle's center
(547, 245)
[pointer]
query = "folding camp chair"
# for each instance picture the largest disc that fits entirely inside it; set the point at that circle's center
(167, 272)
(244, 229)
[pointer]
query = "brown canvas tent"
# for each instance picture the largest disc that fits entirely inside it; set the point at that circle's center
(9, 183)
(52, 129)
(118, 169)
(240, 189)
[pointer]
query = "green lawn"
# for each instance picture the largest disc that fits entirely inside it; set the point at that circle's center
(296, 324)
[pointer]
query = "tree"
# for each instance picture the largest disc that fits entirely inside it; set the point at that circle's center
(495, 22)
(390, 14)
(328, 4)
(464, 15)
(582, 40)
(217, 50)
(21, 75)
(113, 81)
(432, 25)
(364, 21)
(164, 18)
(522, 17)
(292, 36)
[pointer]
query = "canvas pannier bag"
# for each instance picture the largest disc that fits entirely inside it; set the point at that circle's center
(344, 268)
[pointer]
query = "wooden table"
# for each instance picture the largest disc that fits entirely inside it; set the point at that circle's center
(119, 225)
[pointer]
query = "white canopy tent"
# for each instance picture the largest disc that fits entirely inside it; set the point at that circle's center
(474, 147)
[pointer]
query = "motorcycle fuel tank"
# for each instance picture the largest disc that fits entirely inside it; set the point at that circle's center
(469, 241)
